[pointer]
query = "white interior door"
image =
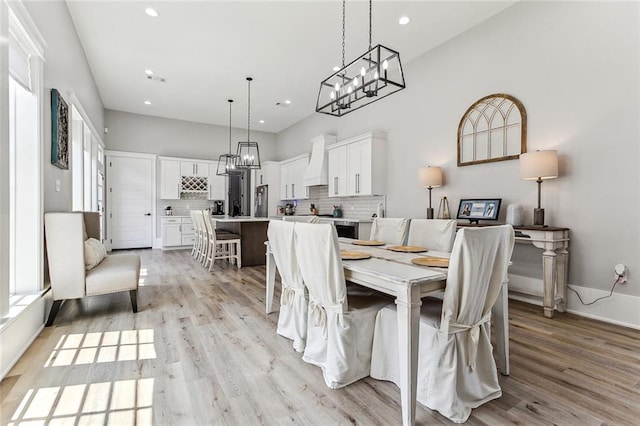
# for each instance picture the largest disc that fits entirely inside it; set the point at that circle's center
(131, 194)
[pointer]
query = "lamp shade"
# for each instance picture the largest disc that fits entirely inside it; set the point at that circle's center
(430, 177)
(539, 165)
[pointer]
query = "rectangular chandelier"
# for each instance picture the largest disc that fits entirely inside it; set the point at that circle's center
(371, 77)
(227, 165)
(248, 155)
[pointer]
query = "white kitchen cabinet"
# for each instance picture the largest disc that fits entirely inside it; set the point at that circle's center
(292, 178)
(337, 171)
(359, 175)
(269, 174)
(217, 184)
(177, 231)
(194, 168)
(188, 232)
(171, 231)
(357, 167)
(169, 179)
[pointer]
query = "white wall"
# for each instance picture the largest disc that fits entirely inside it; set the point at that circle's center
(177, 138)
(66, 69)
(575, 67)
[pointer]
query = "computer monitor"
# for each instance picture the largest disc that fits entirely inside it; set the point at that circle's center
(479, 209)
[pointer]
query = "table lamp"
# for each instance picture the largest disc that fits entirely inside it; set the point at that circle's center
(538, 166)
(430, 177)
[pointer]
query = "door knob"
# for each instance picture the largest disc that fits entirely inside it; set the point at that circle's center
(147, 214)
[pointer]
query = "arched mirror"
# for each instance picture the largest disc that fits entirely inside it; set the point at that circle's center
(494, 128)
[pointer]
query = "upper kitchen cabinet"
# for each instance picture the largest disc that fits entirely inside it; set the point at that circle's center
(195, 169)
(352, 163)
(217, 184)
(292, 178)
(169, 179)
(269, 174)
(337, 167)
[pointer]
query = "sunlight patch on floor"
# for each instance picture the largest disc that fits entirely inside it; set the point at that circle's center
(121, 402)
(109, 346)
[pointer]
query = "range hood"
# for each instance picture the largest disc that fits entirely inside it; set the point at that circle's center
(317, 173)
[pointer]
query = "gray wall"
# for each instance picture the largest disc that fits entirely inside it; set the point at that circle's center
(66, 69)
(575, 67)
(177, 138)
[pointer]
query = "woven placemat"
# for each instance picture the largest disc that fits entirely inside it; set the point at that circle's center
(407, 249)
(439, 262)
(367, 243)
(354, 255)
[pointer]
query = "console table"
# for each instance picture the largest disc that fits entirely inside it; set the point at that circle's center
(555, 261)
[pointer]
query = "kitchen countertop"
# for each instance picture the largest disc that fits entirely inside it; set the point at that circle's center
(173, 215)
(332, 219)
(231, 219)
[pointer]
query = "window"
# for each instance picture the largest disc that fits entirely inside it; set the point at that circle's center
(87, 164)
(21, 229)
(24, 189)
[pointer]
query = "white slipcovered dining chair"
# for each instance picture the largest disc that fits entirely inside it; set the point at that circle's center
(456, 368)
(390, 230)
(339, 331)
(434, 234)
(305, 219)
(292, 320)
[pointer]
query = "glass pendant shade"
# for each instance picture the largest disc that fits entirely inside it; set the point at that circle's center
(373, 76)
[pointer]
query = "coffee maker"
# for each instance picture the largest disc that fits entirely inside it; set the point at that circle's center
(218, 207)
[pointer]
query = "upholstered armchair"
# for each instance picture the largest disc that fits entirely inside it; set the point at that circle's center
(66, 234)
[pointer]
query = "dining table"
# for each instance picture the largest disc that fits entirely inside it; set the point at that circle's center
(393, 273)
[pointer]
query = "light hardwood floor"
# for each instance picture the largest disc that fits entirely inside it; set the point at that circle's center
(201, 351)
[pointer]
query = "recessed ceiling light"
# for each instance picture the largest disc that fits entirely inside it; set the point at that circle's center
(147, 102)
(261, 121)
(288, 102)
(336, 68)
(404, 20)
(151, 12)
(148, 72)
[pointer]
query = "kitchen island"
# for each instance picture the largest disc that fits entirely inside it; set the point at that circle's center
(253, 231)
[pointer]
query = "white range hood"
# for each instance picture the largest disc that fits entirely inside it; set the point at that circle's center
(317, 173)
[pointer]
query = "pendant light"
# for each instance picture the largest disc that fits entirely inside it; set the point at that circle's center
(227, 163)
(248, 153)
(372, 76)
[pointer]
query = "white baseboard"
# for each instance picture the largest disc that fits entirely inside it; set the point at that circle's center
(157, 243)
(619, 309)
(17, 336)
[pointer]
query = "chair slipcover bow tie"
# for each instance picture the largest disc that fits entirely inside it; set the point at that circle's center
(473, 334)
(288, 295)
(318, 313)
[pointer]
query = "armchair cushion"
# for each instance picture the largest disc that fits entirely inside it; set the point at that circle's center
(115, 273)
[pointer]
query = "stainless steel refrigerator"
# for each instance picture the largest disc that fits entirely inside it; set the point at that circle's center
(262, 201)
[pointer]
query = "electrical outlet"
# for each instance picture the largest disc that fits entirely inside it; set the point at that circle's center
(620, 272)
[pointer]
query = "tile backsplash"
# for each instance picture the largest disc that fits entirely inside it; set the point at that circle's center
(361, 207)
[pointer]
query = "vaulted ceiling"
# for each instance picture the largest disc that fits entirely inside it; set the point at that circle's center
(204, 50)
